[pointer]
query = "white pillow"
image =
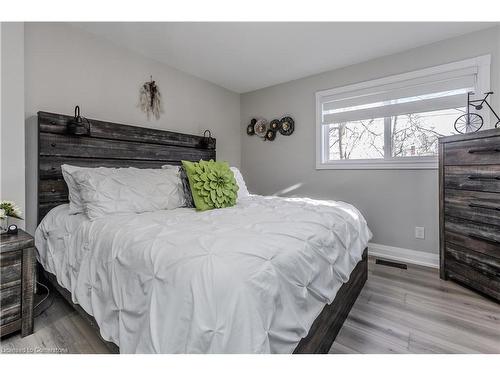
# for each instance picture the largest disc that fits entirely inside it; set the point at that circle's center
(242, 191)
(107, 191)
(75, 201)
(170, 166)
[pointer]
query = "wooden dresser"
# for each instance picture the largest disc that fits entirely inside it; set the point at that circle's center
(469, 210)
(17, 266)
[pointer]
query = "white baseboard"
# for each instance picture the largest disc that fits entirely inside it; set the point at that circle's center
(404, 255)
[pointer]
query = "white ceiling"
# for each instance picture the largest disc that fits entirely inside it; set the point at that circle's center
(244, 57)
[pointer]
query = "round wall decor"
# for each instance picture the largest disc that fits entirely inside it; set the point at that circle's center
(251, 127)
(287, 125)
(275, 125)
(250, 130)
(270, 135)
(268, 131)
(261, 128)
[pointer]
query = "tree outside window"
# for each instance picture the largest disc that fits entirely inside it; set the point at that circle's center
(410, 135)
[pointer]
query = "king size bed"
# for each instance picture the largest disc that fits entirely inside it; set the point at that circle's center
(268, 275)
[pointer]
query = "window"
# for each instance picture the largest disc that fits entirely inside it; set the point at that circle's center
(395, 122)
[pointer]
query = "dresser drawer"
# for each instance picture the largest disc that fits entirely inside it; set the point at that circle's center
(10, 269)
(10, 304)
(473, 278)
(472, 177)
(476, 206)
(483, 263)
(473, 152)
(484, 247)
(479, 235)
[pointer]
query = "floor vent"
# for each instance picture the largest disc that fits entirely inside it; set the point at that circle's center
(391, 264)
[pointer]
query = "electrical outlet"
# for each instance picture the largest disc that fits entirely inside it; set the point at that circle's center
(420, 232)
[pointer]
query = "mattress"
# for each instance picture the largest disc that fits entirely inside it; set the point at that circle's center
(246, 279)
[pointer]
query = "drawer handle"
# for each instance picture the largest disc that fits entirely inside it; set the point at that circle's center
(480, 177)
(484, 150)
(478, 205)
(478, 237)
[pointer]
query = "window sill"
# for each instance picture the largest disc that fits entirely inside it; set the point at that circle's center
(421, 163)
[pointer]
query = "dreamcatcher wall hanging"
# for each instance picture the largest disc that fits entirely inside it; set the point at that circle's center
(150, 99)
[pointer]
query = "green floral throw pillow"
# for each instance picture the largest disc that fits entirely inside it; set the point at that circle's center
(212, 184)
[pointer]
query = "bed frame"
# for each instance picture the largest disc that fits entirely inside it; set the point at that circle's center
(100, 143)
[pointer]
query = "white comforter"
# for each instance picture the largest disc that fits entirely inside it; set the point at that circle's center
(246, 279)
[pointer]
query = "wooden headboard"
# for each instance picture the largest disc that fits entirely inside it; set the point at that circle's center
(107, 145)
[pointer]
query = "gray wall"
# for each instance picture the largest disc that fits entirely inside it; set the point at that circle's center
(65, 66)
(12, 115)
(393, 201)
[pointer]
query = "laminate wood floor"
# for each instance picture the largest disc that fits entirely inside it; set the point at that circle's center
(398, 311)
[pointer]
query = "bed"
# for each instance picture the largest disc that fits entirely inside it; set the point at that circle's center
(269, 275)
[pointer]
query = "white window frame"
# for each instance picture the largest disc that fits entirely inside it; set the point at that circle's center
(482, 63)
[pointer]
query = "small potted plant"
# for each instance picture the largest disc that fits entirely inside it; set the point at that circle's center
(8, 209)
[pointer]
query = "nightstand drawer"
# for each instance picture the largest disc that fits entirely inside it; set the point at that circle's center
(10, 269)
(473, 152)
(10, 304)
(17, 278)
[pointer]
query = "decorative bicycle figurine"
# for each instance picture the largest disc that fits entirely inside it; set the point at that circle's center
(471, 122)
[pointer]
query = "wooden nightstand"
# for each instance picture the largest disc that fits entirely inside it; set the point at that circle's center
(17, 278)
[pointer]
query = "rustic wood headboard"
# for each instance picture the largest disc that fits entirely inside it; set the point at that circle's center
(107, 145)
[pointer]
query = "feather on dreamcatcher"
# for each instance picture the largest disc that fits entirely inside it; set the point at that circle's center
(150, 99)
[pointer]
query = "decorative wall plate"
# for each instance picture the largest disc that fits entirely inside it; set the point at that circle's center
(275, 125)
(287, 126)
(251, 127)
(261, 128)
(268, 131)
(270, 135)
